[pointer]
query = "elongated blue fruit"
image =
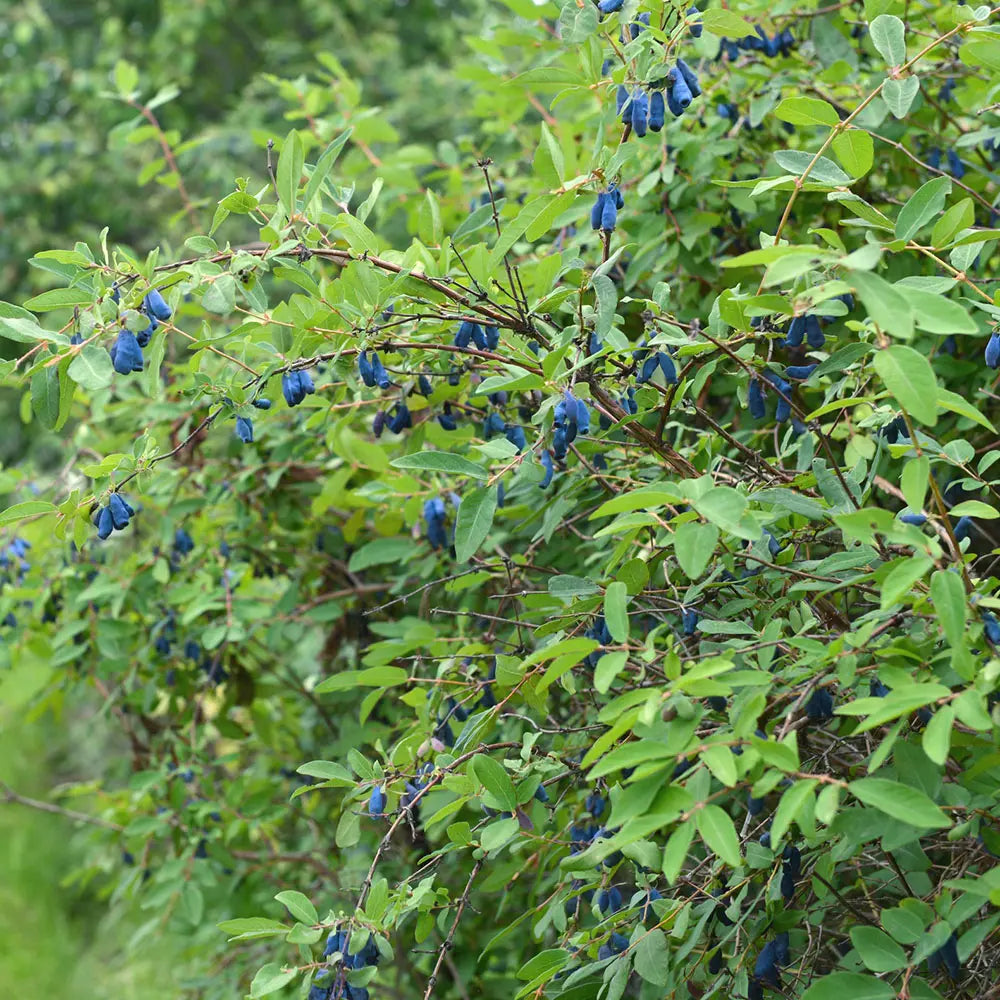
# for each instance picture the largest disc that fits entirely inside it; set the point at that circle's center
(668, 367)
(609, 215)
(800, 371)
(546, 460)
(376, 802)
(244, 429)
(621, 98)
(610, 6)
(424, 386)
(156, 305)
(695, 29)
(681, 91)
(126, 354)
(365, 370)
(673, 105)
(992, 355)
(963, 528)
(143, 337)
(596, 213)
(382, 379)
(916, 519)
(640, 114)
(796, 332)
(119, 515)
(690, 621)
(755, 399)
(955, 166)
(616, 192)
(689, 78)
(492, 338)
(814, 333)
(656, 111)
(105, 524)
(479, 336)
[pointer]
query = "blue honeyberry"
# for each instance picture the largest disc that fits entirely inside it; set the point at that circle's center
(401, 419)
(649, 367)
(143, 337)
(105, 525)
(819, 707)
(754, 806)
(493, 424)
(668, 367)
(610, 6)
(609, 900)
(515, 435)
(492, 337)
(991, 628)
(657, 111)
(689, 621)
(800, 372)
(946, 955)
(382, 379)
(560, 446)
(244, 429)
(262, 404)
(647, 913)
(424, 387)
(916, 519)
(876, 689)
(796, 332)
(365, 370)
(156, 306)
(183, 542)
(120, 515)
(594, 804)
(689, 78)
(541, 795)
(680, 91)
(755, 399)
(963, 528)
(615, 946)
(447, 419)
(992, 355)
(814, 333)
(378, 423)
(126, 354)
(955, 165)
(640, 114)
(546, 459)
(609, 214)
(377, 801)
(596, 213)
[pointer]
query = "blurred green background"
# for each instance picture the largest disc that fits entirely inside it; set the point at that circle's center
(72, 165)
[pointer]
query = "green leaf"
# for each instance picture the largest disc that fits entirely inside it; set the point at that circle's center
(856, 151)
(382, 551)
(289, 172)
(824, 171)
(899, 95)
(474, 521)
(440, 461)
(717, 830)
(948, 596)
(888, 36)
(790, 805)
(298, 905)
(885, 305)
(960, 216)
(45, 396)
(901, 802)
(806, 111)
(694, 546)
(910, 378)
(936, 737)
(494, 777)
(372, 677)
(570, 587)
(323, 166)
(853, 985)
(577, 23)
(533, 220)
(270, 979)
(615, 614)
(91, 368)
(30, 508)
(59, 298)
(246, 928)
(925, 204)
(652, 958)
(725, 23)
(607, 669)
(901, 578)
(936, 314)
(913, 482)
(877, 950)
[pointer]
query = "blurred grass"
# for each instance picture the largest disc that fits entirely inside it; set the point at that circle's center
(58, 940)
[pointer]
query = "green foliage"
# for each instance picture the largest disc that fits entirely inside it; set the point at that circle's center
(654, 643)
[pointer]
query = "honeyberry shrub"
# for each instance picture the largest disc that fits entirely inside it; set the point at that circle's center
(589, 595)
